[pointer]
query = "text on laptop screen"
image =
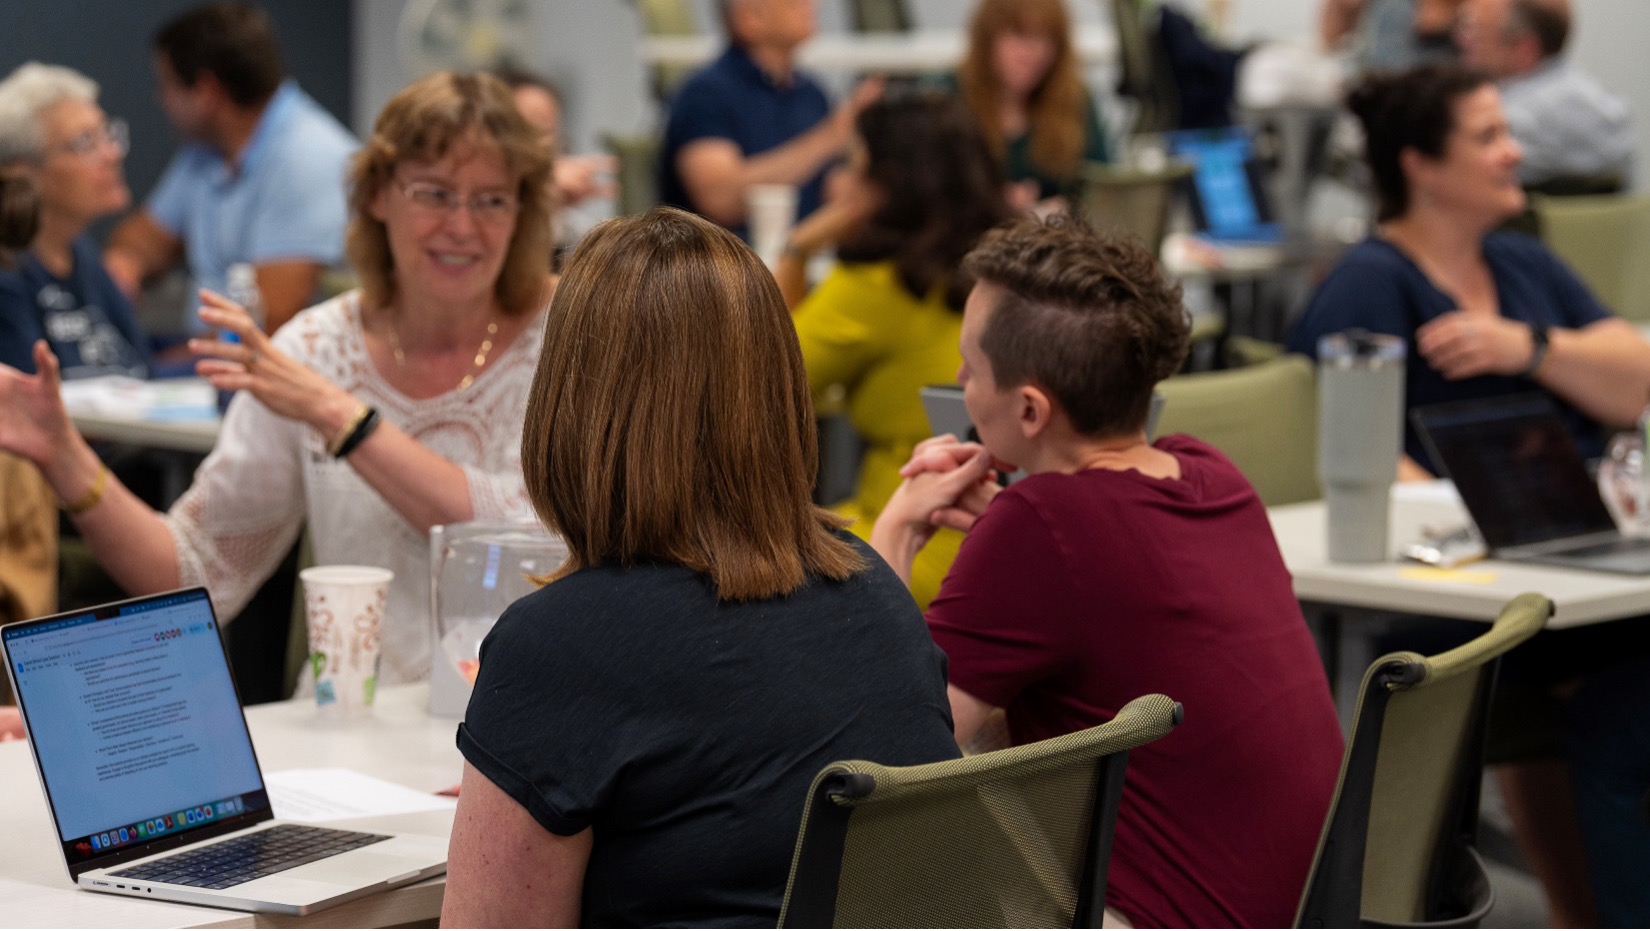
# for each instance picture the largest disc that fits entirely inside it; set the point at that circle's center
(1518, 471)
(135, 721)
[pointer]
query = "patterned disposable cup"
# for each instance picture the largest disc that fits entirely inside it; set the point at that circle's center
(345, 609)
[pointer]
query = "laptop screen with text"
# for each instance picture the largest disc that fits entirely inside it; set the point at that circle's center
(135, 722)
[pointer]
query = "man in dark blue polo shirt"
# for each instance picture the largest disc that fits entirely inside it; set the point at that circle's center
(751, 118)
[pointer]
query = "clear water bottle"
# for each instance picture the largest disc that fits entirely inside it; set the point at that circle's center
(242, 288)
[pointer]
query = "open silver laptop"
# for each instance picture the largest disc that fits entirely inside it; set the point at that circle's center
(1524, 483)
(146, 763)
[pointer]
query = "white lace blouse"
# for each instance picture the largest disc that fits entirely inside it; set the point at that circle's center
(268, 474)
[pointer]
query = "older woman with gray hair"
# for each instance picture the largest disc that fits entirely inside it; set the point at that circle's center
(53, 132)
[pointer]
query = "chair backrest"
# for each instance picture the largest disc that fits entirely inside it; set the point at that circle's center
(879, 16)
(662, 19)
(1398, 845)
(1012, 838)
(1263, 417)
(1133, 201)
(1144, 74)
(1605, 239)
(638, 157)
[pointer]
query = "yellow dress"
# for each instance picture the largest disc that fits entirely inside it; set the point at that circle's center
(861, 329)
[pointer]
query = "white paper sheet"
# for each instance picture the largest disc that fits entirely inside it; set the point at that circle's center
(339, 794)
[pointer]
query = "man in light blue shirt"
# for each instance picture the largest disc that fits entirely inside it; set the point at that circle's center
(261, 178)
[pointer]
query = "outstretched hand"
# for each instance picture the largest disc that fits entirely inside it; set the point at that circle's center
(33, 421)
(252, 363)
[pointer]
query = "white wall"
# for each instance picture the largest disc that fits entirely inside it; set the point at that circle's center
(588, 47)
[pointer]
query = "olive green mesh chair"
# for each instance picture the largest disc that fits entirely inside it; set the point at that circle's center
(879, 16)
(1012, 838)
(638, 174)
(1264, 417)
(668, 19)
(1605, 240)
(1131, 201)
(1397, 848)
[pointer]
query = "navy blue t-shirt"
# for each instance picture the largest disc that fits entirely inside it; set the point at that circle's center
(84, 318)
(1379, 288)
(734, 99)
(685, 730)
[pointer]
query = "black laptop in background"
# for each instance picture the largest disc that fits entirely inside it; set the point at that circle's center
(1525, 484)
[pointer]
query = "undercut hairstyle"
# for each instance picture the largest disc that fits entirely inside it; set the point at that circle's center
(235, 42)
(427, 120)
(1056, 108)
(24, 95)
(19, 216)
(1086, 317)
(941, 190)
(670, 419)
(1412, 109)
(1547, 20)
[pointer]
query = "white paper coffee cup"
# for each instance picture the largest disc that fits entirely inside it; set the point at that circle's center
(344, 607)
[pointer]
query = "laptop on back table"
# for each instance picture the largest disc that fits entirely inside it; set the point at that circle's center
(150, 775)
(1524, 483)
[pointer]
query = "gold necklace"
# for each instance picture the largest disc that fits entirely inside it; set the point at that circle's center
(475, 364)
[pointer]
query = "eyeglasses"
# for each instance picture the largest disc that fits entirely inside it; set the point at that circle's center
(91, 142)
(493, 208)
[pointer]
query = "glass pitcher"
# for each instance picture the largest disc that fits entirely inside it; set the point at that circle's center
(477, 569)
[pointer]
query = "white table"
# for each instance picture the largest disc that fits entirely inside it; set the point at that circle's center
(127, 423)
(1376, 593)
(401, 743)
(920, 51)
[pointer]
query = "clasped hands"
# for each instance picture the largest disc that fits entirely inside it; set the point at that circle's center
(948, 483)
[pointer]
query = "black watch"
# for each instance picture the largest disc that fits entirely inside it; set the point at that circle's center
(1538, 349)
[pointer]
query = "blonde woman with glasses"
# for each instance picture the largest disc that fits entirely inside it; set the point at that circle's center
(373, 416)
(53, 132)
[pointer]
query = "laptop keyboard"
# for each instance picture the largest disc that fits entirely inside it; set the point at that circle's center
(250, 856)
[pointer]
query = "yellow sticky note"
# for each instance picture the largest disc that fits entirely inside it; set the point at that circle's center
(1434, 574)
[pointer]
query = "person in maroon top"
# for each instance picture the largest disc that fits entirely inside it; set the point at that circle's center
(1120, 567)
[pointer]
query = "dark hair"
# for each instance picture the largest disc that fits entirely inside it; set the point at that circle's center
(664, 326)
(19, 215)
(233, 41)
(1412, 109)
(516, 78)
(1089, 318)
(1549, 22)
(941, 190)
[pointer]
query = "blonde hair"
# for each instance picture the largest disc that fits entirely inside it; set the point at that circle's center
(423, 123)
(1056, 114)
(670, 419)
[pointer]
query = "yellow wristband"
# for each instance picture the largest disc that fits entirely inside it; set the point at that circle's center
(92, 496)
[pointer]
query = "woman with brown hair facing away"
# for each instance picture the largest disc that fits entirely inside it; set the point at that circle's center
(644, 728)
(1023, 81)
(372, 416)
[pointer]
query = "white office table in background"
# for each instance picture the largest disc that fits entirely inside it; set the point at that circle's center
(920, 51)
(1374, 594)
(401, 743)
(164, 414)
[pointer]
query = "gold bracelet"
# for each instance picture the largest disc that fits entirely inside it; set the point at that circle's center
(338, 440)
(92, 496)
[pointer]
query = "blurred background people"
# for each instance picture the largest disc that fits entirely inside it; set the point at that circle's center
(578, 179)
(260, 178)
(751, 117)
(1570, 127)
(919, 190)
(53, 132)
(1390, 35)
(1022, 81)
